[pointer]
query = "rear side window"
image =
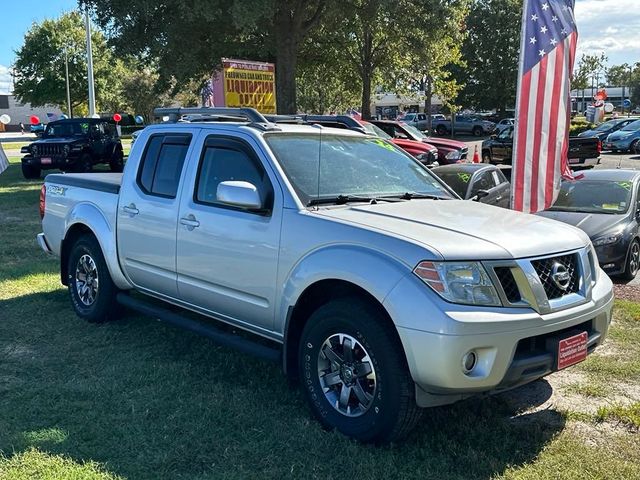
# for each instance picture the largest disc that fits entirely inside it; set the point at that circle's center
(162, 164)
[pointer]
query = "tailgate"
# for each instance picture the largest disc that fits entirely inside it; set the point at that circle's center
(582, 148)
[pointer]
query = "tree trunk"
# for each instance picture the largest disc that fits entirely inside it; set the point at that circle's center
(367, 74)
(286, 62)
(428, 98)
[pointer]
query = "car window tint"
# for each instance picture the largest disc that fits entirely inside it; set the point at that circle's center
(482, 181)
(221, 164)
(162, 164)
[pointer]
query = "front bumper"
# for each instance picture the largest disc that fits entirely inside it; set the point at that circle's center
(511, 345)
(612, 257)
(54, 161)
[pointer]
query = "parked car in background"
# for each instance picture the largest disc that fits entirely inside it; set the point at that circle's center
(418, 120)
(625, 139)
(583, 152)
(438, 116)
(425, 153)
(465, 125)
(74, 145)
(606, 205)
(449, 151)
(476, 181)
(345, 261)
(603, 130)
(37, 129)
(502, 124)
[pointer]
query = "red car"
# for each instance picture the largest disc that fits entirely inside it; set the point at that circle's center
(424, 152)
(449, 151)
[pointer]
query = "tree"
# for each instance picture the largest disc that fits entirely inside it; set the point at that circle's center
(435, 47)
(39, 69)
(189, 38)
(491, 53)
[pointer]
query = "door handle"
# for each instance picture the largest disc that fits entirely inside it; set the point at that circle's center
(131, 209)
(498, 198)
(190, 222)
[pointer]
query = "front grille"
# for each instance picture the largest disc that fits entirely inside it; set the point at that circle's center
(49, 150)
(508, 284)
(544, 269)
(463, 153)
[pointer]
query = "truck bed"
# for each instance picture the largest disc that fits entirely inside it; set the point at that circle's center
(102, 182)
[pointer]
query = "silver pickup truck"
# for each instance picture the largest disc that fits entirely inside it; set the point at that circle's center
(345, 259)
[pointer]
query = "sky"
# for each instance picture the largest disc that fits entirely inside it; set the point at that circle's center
(609, 26)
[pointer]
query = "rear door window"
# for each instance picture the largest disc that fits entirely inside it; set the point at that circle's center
(162, 164)
(482, 181)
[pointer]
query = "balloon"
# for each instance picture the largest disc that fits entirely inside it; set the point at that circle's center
(117, 117)
(34, 120)
(5, 119)
(608, 107)
(139, 119)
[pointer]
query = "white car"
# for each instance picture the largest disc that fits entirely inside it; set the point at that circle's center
(504, 123)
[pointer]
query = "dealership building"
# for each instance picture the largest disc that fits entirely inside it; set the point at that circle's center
(615, 95)
(21, 112)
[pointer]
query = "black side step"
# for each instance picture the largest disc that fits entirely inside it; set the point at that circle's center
(228, 339)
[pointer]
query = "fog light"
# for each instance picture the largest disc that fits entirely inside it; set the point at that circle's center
(469, 362)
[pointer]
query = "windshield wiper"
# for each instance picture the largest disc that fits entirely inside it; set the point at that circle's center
(412, 195)
(342, 199)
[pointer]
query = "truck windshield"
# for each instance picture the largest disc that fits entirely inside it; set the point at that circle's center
(330, 165)
(594, 196)
(414, 133)
(66, 129)
(374, 130)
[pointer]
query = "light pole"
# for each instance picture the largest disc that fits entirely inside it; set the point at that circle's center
(92, 94)
(66, 74)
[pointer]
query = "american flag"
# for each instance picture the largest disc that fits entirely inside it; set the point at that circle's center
(541, 143)
(52, 117)
(4, 161)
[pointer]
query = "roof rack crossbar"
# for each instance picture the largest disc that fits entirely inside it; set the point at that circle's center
(174, 114)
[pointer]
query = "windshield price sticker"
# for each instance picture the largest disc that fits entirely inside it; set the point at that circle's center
(625, 185)
(465, 177)
(383, 144)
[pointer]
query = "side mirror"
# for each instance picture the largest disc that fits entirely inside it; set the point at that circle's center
(494, 136)
(239, 194)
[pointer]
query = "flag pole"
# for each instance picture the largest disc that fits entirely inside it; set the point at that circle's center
(514, 159)
(92, 94)
(66, 74)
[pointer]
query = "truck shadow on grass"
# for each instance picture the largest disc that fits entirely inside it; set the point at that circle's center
(150, 401)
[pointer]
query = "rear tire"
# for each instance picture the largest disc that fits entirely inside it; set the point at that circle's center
(91, 289)
(633, 147)
(354, 373)
(477, 131)
(440, 130)
(486, 157)
(30, 172)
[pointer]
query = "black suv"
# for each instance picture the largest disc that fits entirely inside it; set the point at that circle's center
(74, 145)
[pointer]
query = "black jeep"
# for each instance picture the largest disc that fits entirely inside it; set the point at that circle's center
(74, 145)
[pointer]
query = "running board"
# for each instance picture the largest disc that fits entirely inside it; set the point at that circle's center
(223, 338)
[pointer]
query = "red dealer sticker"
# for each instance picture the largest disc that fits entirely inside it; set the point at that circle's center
(572, 350)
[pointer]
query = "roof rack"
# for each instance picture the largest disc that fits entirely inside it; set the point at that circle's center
(174, 114)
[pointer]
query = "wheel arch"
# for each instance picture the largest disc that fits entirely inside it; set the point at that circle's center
(86, 219)
(314, 296)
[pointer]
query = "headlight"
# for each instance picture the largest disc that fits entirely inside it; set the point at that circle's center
(607, 239)
(459, 282)
(25, 149)
(453, 155)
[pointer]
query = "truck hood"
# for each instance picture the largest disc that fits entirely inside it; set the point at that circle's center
(593, 224)
(444, 142)
(413, 145)
(463, 230)
(57, 140)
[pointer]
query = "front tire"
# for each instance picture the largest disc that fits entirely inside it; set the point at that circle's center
(30, 172)
(477, 132)
(354, 373)
(84, 164)
(91, 289)
(116, 164)
(486, 157)
(632, 265)
(440, 130)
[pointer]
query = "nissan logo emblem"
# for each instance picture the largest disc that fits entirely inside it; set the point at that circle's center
(560, 276)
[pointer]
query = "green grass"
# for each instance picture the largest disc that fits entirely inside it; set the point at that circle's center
(592, 389)
(137, 399)
(629, 415)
